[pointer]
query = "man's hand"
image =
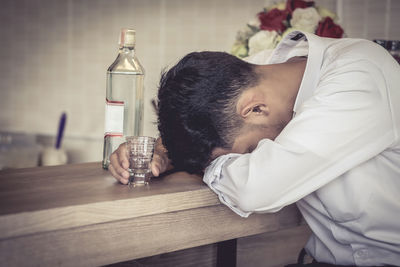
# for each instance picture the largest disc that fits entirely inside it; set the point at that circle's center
(119, 162)
(160, 162)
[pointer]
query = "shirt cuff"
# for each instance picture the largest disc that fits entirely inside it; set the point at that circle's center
(213, 176)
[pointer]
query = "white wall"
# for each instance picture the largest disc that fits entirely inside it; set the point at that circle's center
(54, 53)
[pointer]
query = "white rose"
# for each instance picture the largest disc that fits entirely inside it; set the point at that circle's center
(263, 40)
(305, 19)
(245, 34)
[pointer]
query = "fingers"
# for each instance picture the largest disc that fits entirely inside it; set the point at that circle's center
(160, 161)
(158, 164)
(119, 164)
(119, 178)
(123, 157)
(155, 170)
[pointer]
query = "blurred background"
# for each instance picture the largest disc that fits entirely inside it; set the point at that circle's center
(55, 53)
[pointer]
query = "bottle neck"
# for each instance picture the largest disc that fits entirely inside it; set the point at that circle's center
(127, 50)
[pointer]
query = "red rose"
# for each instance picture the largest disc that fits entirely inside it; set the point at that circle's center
(273, 20)
(328, 28)
(291, 5)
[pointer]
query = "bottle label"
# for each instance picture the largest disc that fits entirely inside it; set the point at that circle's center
(114, 118)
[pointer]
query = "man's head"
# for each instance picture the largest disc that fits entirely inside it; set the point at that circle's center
(212, 103)
(197, 106)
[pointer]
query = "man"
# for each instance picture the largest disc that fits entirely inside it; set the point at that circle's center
(316, 123)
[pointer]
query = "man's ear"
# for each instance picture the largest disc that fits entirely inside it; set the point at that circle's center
(252, 110)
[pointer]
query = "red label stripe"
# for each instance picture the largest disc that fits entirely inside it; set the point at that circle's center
(111, 102)
(113, 135)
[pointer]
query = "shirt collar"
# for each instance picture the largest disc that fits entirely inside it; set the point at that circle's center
(313, 66)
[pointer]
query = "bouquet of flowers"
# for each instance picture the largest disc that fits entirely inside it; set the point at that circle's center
(269, 26)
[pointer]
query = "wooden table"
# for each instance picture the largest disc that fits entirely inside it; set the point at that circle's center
(78, 215)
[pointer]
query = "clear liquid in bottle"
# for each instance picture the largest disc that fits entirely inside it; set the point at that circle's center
(124, 97)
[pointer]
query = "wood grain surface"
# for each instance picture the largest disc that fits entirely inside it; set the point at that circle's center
(271, 249)
(78, 215)
(54, 198)
(41, 188)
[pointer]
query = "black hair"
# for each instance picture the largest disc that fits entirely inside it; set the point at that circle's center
(197, 106)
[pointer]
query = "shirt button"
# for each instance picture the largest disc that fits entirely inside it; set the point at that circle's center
(362, 253)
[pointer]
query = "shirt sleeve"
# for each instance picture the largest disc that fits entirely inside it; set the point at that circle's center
(345, 123)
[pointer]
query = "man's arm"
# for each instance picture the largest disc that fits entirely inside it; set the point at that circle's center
(347, 122)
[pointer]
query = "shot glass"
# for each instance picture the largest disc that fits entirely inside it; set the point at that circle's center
(140, 149)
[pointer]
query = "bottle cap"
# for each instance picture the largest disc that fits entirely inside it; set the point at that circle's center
(127, 38)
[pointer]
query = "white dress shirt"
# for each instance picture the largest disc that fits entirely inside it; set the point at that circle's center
(338, 158)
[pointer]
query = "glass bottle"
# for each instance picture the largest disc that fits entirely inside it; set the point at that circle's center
(124, 96)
